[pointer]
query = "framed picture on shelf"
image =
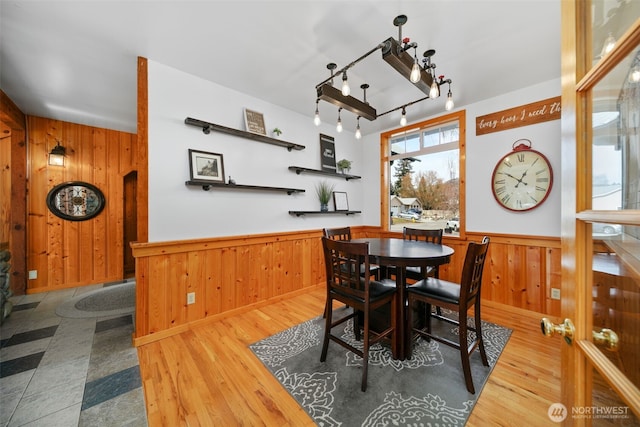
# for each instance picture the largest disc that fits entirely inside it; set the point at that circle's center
(327, 153)
(254, 122)
(340, 201)
(205, 166)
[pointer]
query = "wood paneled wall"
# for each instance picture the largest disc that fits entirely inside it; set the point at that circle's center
(235, 273)
(75, 253)
(13, 199)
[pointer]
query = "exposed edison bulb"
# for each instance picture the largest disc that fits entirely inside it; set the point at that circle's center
(403, 118)
(358, 133)
(316, 120)
(434, 92)
(634, 77)
(339, 125)
(346, 90)
(609, 43)
(415, 73)
(449, 104)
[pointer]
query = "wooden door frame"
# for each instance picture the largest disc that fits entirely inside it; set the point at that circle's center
(13, 118)
(578, 78)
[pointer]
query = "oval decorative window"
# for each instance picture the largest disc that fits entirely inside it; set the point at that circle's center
(75, 200)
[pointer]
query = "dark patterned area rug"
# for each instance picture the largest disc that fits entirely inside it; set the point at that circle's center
(428, 390)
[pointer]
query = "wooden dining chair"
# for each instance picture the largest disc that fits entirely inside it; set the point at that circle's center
(344, 233)
(341, 233)
(345, 283)
(418, 273)
(429, 236)
(458, 297)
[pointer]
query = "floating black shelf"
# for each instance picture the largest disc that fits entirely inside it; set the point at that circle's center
(300, 169)
(300, 213)
(208, 127)
(206, 186)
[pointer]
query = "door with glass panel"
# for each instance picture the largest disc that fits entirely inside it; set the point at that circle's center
(600, 214)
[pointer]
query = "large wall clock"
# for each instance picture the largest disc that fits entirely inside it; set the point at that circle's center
(522, 179)
(75, 201)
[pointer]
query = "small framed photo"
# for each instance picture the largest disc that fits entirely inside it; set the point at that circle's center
(206, 166)
(340, 201)
(254, 122)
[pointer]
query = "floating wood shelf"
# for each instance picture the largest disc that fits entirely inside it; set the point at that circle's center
(301, 213)
(208, 127)
(206, 186)
(300, 169)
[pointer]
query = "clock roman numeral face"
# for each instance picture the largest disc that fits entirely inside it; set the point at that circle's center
(522, 180)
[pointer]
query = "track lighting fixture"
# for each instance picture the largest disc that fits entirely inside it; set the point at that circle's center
(394, 52)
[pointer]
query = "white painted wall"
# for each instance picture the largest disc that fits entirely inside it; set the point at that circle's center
(179, 212)
(483, 213)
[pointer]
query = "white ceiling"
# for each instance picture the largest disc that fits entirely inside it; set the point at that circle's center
(76, 60)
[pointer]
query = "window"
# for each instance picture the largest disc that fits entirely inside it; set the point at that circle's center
(424, 170)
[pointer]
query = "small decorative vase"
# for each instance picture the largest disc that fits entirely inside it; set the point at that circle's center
(324, 207)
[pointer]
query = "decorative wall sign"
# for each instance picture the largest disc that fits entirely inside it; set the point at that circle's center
(254, 122)
(327, 153)
(529, 114)
(206, 166)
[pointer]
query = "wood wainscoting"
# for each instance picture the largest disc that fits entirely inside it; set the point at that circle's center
(229, 275)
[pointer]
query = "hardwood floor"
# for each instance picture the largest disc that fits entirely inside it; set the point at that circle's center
(207, 376)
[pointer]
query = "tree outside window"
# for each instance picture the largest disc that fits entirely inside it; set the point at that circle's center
(424, 170)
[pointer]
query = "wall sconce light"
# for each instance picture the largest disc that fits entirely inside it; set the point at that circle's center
(56, 156)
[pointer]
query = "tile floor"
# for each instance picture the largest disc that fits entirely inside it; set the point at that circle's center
(63, 372)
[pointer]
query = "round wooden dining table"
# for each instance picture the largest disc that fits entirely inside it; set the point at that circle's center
(400, 253)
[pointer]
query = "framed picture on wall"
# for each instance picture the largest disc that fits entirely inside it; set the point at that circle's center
(254, 122)
(340, 201)
(205, 166)
(327, 153)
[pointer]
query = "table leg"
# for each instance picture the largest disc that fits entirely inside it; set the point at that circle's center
(401, 319)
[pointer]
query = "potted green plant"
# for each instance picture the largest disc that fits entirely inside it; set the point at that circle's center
(277, 132)
(324, 191)
(344, 165)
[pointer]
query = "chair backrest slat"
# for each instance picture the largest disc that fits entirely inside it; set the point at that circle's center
(472, 270)
(343, 261)
(342, 233)
(431, 236)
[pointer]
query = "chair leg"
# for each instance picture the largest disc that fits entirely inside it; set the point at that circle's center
(478, 323)
(464, 352)
(365, 352)
(410, 328)
(427, 320)
(327, 329)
